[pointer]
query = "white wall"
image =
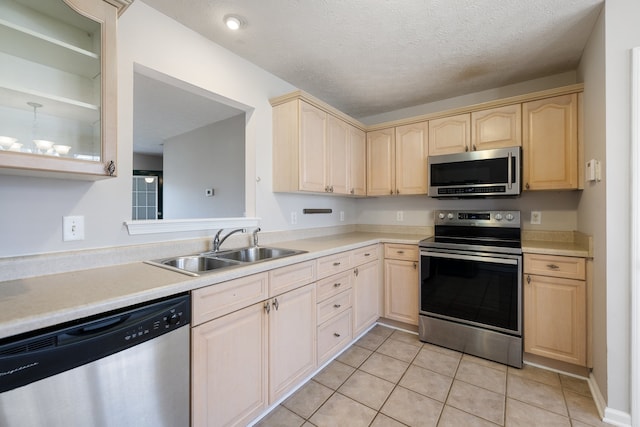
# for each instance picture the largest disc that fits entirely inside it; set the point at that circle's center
(622, 33)
(604, 210)
(592, 211)
(209, 157)
(558, 209)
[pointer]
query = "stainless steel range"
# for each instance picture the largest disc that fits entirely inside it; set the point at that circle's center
(471, 284)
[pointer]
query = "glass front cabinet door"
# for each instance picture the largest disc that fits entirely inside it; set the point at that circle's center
(58, 87)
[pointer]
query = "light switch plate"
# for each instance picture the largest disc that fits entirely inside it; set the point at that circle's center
(536, 217)
(72, 228)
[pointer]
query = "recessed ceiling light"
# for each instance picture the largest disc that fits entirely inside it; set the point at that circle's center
(233, 22)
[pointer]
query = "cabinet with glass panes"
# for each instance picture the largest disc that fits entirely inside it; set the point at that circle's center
(57, 87)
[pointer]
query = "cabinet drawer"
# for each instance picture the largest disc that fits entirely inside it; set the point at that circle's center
(217, 300)
(333, 285)
(333, 336)
(333, 264)
(290, 277)
(333, 306)
(364, 255)
(556, 266)
(402, 252)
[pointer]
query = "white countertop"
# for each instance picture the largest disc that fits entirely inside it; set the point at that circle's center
(38, 302)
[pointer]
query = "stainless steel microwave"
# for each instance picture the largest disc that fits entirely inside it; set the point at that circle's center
(485, 173)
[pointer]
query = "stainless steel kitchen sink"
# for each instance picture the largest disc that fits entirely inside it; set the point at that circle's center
(256, 253)
(195, 265)
(198, 263)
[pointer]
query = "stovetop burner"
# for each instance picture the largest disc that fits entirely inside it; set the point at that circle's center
(493, 231)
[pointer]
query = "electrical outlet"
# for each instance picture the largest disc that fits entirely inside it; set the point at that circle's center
(400, 216)
(72, 228)
(341, 215)
(294, 218)
(536, 217)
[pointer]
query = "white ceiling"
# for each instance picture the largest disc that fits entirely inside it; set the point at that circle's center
(367, 57)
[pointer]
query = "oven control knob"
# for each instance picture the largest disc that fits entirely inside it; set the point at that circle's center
(441, 215)
(498, 217)
(509, 217)
(449, 216)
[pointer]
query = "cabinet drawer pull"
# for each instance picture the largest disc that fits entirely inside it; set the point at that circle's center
(367, 254)
(337, 285)
(337, 305)
(337, 335)
(335, 264)
(552, 266)
(400, 252)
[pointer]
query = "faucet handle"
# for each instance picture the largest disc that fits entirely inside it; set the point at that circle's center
(255, 236)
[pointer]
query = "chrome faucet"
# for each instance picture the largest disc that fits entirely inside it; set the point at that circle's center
(255, 236)
(217, 242)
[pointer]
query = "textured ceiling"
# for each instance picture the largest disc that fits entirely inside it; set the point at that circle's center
(367, 57)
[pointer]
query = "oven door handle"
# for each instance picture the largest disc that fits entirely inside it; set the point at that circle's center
(509, 261)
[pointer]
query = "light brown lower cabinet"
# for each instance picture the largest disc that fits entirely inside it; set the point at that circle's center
(401, 283)
(292, 339)
(229, 366)
(555, 308)
(366, 296)
(246, 360)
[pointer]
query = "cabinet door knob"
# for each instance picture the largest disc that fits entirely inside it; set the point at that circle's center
(391, 192)
(528, 279)
(415, 265)
(397, 191)
(466, 148)
(356, 272)
(526, 186)
(352, 191)
(276, 304)
(267, 307)
(474, 147)
(111, 168)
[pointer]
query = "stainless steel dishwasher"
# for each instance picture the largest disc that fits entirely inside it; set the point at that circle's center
(124, 368)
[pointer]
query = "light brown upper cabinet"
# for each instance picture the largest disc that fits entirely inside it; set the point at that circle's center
(358, 177)
(59, 91)
(449, 135)
(397, 160)
(480, 130)
(499, 127)
(314, 151)
(550, 143)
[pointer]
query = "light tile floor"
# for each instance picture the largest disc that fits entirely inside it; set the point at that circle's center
(389, 378)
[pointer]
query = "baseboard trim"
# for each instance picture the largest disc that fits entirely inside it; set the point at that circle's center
(607, 415)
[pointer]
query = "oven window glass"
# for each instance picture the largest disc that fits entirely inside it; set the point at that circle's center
(484, 293)
(486, 171)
